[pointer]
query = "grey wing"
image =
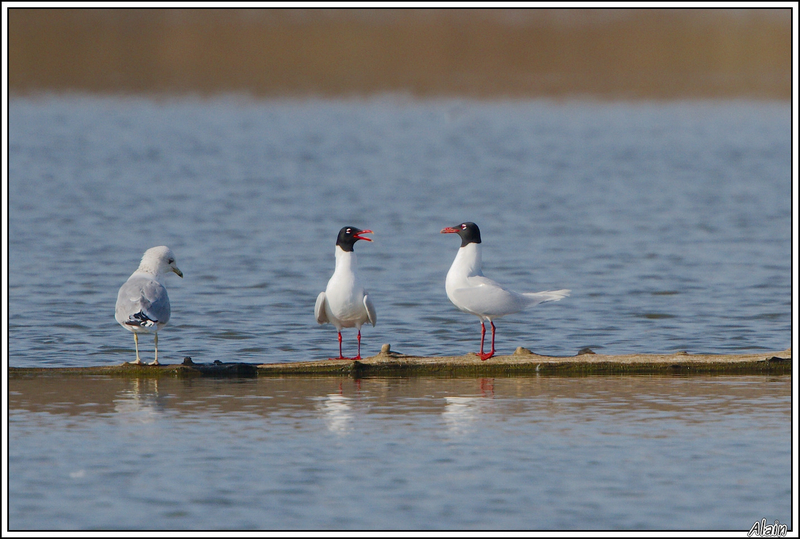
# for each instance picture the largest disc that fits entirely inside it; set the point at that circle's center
(490, 300)
(142, 300)
(319, 309)
(156, 294)
(371, 314)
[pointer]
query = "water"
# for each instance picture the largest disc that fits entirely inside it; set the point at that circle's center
(669, 221)
(540, 453)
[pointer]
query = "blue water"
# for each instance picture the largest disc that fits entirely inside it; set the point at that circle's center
(669, 221)
(539, 453)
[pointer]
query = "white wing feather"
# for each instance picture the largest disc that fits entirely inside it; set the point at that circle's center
(491, 300)
(535, 298)
(319, 309)
(373, 317)
(487, 300)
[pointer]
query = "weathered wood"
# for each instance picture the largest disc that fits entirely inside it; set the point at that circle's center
(388, 363)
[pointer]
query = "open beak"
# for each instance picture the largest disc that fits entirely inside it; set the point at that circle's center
(449, 230)
(179, 272)
(360, 237)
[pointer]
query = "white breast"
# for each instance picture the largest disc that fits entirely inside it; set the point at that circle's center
(344, 294)
(466, 264)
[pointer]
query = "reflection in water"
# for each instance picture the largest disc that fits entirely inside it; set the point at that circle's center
(487, 387)
(598, 452)
(337, 412)
(140, 402)
(460, 413)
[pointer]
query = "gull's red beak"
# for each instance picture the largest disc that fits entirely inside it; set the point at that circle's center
(449, 230)
(358, 236)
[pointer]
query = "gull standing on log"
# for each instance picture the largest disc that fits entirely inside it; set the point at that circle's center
(345, 303)
(142, 302)
(473, 293)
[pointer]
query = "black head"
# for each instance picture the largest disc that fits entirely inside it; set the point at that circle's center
(469, 232)
(349, 235)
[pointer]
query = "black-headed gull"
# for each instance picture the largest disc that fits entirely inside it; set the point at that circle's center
(345, 303)
(473, 293)
(142, 302)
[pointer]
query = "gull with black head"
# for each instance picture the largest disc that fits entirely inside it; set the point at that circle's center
(345, 303)
(473, 293)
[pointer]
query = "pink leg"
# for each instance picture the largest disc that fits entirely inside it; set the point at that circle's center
(359, 345)
(483, 356)
(341, 355)
(340, 348)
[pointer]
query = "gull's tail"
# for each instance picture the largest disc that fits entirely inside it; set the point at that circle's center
(535, 298)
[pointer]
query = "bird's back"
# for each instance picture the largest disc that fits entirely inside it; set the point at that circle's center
(142, 295)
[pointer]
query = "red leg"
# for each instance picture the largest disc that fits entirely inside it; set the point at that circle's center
(340, 348)
(341, 355)
(483, 356)
(359, 346)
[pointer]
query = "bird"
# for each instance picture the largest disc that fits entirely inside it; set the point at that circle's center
(345, 303)
(473, 293)
(142, 302)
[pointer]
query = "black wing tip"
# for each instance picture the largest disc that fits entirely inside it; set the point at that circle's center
(140, 319)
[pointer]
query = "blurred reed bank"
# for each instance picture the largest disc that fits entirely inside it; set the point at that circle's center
(614, 53)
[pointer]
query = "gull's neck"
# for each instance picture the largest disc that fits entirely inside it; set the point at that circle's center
(151, 267)
(345, 260)
(468, 260)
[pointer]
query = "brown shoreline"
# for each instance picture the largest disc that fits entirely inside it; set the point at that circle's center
(387, 363)
(479, 53)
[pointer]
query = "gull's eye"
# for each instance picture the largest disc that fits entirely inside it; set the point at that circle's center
(171, 261)
(348, 231)
(464, 226)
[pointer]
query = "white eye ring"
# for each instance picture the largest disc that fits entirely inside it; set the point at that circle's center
(348, 231)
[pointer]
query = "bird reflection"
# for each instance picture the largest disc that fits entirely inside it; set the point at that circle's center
(487, 387)
(140, 402)
(337, 412)
(460, 413)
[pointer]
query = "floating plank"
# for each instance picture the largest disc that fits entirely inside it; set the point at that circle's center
(388, 363)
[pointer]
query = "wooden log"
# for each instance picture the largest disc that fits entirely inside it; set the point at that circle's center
(522, 362)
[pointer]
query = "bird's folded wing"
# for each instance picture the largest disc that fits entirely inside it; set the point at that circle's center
(487, 299)
(142, 296)
(373, 317)
(155, 297)
(319, 309)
